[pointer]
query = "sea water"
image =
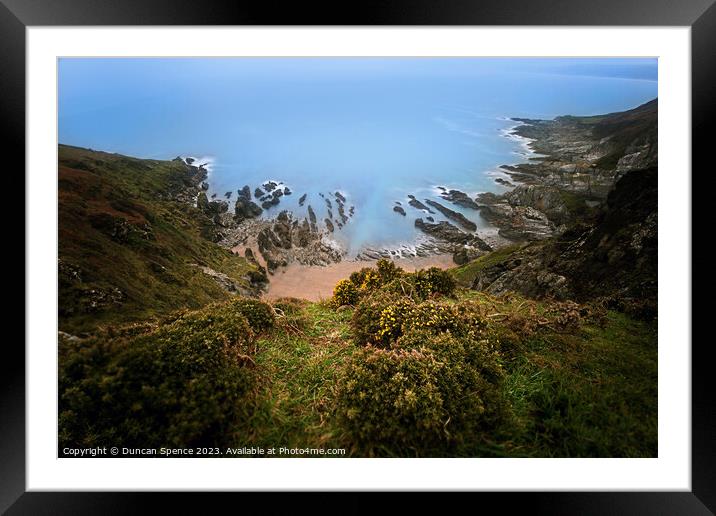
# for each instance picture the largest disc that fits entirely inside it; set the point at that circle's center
(375, 130)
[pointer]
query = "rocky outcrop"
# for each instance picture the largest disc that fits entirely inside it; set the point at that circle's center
(581, 160)
(446, 232)
(399, 209)
(418, 205)
(453, 215)
(312, 218)
(245, 208)
(251, 287)
(614, 254)
(286, 240)
(517, 223)
(271, 202)
(245, 193)
(302, 199)
(459, 198)
(588, 154)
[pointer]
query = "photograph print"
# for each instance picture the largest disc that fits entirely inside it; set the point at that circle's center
(357, 257)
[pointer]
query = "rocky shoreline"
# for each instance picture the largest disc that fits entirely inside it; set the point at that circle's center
(573, 163)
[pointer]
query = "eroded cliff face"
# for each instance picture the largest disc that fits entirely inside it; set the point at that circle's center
(612, 254)
(579, 161)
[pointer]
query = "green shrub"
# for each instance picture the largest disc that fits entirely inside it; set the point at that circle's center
(422, 284)
(259, 314)
(345, 293)
(371, 281)
(365, 322)
(358, 277)
(387, 270)
(434, 281)
(392, 319)
(186, 384)
(367, 278)
(434, 317)
(429, 395)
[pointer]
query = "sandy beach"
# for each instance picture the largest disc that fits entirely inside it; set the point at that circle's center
(315, 283)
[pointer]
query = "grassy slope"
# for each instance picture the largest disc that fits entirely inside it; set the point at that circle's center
(157, 274)
(591, 392)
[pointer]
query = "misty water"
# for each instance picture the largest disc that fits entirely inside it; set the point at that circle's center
(374, 129)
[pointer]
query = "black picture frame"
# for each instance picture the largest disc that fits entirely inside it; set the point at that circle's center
(17, 15)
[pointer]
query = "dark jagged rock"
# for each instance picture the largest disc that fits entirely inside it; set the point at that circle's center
(351, 211)
(286, 240)
(459, 198)
(228, 195)
(213, 196)
(302, 199)
(398, 203)
(453, 215)
(265, 240)
(282, 230)
(204, 185)
(328, 203)
(339, 197)
(272, 201)
(430, 219)
(303, 234)
(446, 232)
(211, 208)
(189, 161)
(342, 213)
(216, 207)
(330, 213)
(329, 225)
(277, 193)
(258, 193)
(503, 182)
(245, 193)
(287, 191)
(269, 186)
(261, 277)
(399, 209)
(418, 205)
(312, 218)
(245, 209)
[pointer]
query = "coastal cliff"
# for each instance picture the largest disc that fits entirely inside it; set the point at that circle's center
(584, 215)
(133, 243)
